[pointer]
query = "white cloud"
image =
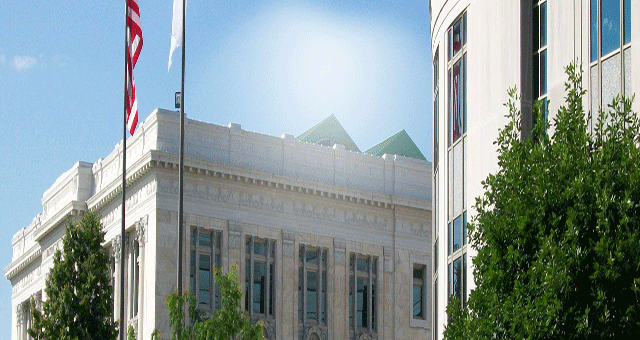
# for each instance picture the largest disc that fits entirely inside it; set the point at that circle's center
(24, 62)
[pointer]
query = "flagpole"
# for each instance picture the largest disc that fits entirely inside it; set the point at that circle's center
(181, 168)
(124, 175)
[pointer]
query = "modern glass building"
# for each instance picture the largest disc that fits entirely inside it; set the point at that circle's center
(480, 49)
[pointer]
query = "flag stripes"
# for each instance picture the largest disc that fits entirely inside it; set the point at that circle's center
(134, 46)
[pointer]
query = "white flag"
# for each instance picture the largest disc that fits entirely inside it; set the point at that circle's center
(176, 29)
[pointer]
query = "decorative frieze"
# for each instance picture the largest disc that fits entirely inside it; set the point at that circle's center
(291, 206)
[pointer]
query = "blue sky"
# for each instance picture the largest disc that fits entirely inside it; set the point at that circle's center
(272, 66)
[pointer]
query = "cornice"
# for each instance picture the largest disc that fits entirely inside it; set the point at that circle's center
(21, 262)
(68, 210)
(154, 159)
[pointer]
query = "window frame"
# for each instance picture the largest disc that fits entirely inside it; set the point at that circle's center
(371, 276)
(320, 268)
(269, 259)
(214, 251)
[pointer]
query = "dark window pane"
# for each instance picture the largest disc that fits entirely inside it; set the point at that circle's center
(363, 264)
(272, 289)
(324, 258)
(449, 44)
(457, 37)
(610, 23)
(594, 30)
(543, 24)
(247, 283)
(457, 278)
(464, 228)
(312, 256)
(204, 276)
(435, 257)
(417, 301)
(457, 233)
(258, 287)
(464, 279)
(627, 21)
(543, 72)
(457, 102)
(373, 305)
(312, 297)
(418, 272)
(259, 248)
(362, 297)
(374, 266)
(464, 29)
(205, 238)
(218, 240)
(463, 87)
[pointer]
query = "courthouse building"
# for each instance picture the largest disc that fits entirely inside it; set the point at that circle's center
(480, 49)
(330, 242)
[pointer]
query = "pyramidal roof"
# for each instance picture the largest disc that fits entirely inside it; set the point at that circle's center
(329, 132)
(398, 144)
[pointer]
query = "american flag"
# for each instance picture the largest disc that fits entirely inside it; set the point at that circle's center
(134, 46)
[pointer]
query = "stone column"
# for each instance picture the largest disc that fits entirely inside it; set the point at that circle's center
(115, 252)
(141, 235)
(289, 288)
(386, 326)
(235, 251)
(340, 301)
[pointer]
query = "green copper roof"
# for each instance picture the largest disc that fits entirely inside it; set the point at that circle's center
(328, 132)
(398, 144)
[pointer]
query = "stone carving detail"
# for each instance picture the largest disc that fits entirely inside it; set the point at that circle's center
(366, 336)
(234, 239)
(269, 329)
(141, 230)
(115, 247)
(314, 332)
(284, 206)
(288, 248)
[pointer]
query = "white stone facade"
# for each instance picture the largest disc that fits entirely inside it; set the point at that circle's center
(499, 49)
(242, 188)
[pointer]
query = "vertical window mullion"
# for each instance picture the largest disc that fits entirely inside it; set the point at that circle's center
(212, 254)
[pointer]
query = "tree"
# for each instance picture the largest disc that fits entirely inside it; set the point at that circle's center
(558, 229)
(79, 304)
(228, 322)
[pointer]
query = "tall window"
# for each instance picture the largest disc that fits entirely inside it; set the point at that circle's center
(540, 53)
(362, 293)
(312, 285)
(457, 71)
(206, 255)
(419, 291)
(456, 212)
(260, 276)
(458, 258)
(610, 66)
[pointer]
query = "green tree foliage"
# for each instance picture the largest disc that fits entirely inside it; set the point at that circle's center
(79, 304)
(230, 321)
(558, 230)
